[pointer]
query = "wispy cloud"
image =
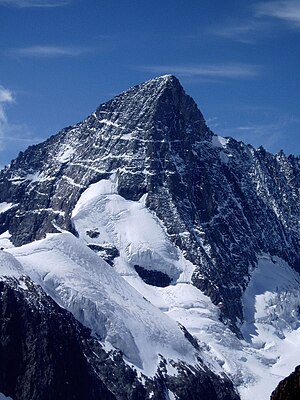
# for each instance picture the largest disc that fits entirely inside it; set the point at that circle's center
(6, 95)
(248, 31)
(285, 10)
(217, 71)
(50, 51)
(34, 3)
(12, 135)
(268, 134)
(261, 21)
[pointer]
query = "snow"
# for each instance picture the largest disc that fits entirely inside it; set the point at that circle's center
(142, 320)
(35, 177)
(219, 141)
(5, 242)
(5, 207)
(271, 306)
(121, 223)
(255, 364)
(110, 123)
(9, 266)
(3, 397)
(224, 157)
(66, 154)
(76, 278)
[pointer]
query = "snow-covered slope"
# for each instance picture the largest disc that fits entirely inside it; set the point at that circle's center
(143, 325)
(129, 227)
(271, 301)
(94, 292)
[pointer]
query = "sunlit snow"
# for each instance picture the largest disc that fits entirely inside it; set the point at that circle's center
(256, 364)
(140, 319)
(98, 296)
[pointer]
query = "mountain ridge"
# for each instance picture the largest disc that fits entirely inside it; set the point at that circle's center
(146, 185)
(193, 171)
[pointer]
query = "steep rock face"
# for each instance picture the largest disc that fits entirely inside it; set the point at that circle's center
(289, 388)
(221, 201)
(45, 354)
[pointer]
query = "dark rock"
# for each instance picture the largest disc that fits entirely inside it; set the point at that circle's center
(108, 253)
(93, 233)
(288, 388)
(152, 277)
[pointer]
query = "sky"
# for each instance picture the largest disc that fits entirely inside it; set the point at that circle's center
(238, 59)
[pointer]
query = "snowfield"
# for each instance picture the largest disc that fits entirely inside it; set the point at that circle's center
(80, 281)
(142, 320)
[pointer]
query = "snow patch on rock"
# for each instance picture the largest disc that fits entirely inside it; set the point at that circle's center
(219, 141)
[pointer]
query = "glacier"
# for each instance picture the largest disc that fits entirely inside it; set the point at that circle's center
(142, 320)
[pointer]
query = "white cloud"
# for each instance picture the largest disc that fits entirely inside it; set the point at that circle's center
(11, 135)
(34, 3)
(248, 31)
(225, 71)
(285, 10)
(261, 22)
(270, 134)
(6, 95)
(50, 51)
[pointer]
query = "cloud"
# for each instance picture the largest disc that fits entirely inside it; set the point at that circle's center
(50, 51)
(261, 21)
(248, 31)
(285, 10)
(12, 135)
(6, 95)
(269, 134)
(34, 3)
(224, 71)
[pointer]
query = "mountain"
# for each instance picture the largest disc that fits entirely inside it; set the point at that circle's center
(182, 244)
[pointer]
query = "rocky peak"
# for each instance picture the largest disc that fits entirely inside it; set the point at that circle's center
(150, 107)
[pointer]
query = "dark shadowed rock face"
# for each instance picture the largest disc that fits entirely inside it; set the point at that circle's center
(288, 388)
(221, 201)
(154, 278)
(46, 354)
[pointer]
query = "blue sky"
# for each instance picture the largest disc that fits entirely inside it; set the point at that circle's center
(239, 60)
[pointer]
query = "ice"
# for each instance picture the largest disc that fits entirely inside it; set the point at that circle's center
(76, 278)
